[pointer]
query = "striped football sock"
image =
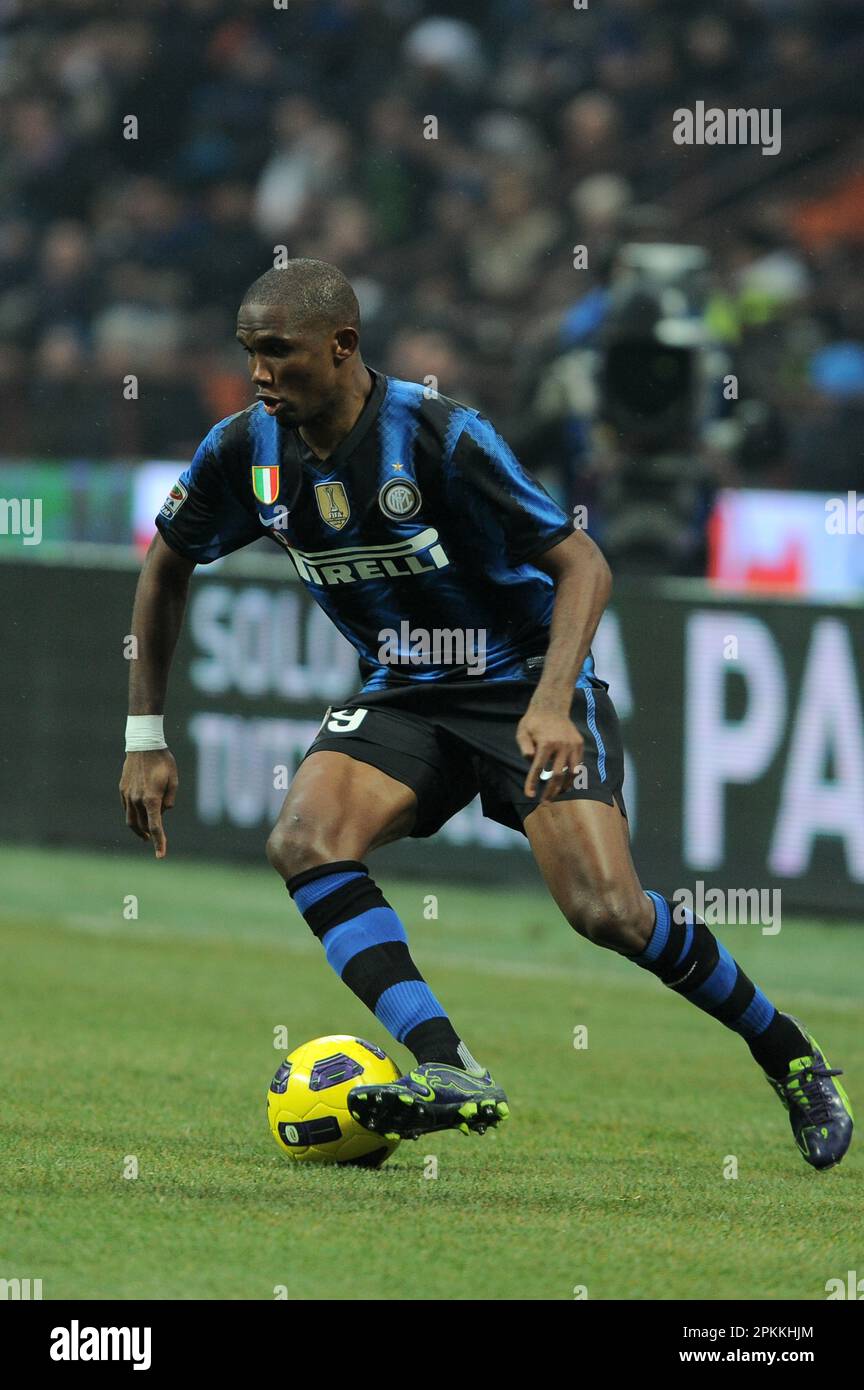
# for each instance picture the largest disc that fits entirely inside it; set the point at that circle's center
(366, 945)
(690, 960)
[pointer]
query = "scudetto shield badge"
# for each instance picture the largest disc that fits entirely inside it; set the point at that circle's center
(332, 504)
(265, 482)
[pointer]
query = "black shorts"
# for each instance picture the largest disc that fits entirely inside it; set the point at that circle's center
(451, 742)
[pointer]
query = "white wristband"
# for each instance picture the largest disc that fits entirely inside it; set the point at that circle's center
(143, 732)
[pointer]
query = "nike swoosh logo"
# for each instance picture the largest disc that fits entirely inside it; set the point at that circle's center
(673, 983)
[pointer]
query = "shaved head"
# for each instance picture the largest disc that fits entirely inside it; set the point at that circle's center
(300, 326)
(315, 294)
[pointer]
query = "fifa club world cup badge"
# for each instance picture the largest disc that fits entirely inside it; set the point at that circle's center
(333, 505)
(265, 482)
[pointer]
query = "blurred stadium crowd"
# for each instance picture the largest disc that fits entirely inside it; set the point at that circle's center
(303, 126)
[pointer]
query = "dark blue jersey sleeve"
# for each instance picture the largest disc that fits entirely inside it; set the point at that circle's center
(202, 518)
(510, 514)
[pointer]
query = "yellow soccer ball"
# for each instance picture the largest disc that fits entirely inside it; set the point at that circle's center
(307, 1103)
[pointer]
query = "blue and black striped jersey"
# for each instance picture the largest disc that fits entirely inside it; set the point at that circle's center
(421, 521)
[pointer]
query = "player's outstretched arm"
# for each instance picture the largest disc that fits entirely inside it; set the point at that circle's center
(148, 784)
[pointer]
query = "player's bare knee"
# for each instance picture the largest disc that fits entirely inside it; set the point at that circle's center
(613, 921)
(295, 844)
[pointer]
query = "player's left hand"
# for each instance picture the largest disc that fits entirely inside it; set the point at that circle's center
(549, 739)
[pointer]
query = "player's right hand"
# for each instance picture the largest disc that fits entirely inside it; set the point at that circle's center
(148, 787)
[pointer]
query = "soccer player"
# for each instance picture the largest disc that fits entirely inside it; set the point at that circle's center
(400, 506)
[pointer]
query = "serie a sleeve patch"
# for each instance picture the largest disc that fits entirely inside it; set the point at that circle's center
(174, 501)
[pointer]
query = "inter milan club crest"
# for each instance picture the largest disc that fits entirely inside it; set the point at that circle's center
(265, 482)
(399, 498)
(332, 504)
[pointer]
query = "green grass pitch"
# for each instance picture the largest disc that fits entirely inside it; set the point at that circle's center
(153, 1038)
